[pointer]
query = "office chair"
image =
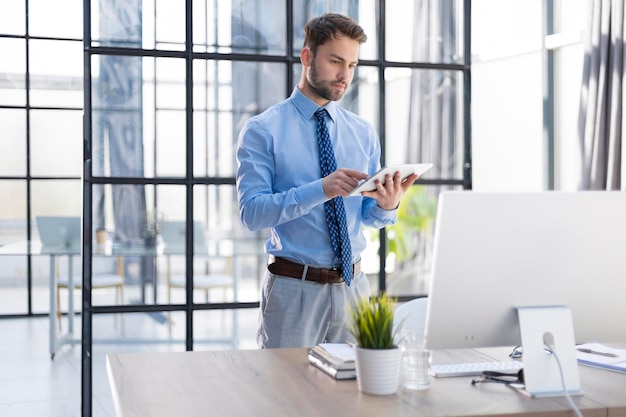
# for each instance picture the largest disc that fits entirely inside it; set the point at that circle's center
(172, 232)
(411, 314)
(98, 281)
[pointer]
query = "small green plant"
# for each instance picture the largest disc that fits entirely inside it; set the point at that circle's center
(415, 214)
(370, 321)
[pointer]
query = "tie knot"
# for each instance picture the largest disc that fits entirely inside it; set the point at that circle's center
(320, 114)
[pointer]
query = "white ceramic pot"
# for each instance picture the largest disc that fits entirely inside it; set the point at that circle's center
(378, 370)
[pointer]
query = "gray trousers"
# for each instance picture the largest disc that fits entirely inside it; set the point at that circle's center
(299, 313)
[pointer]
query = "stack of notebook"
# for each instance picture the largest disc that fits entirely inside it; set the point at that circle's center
(335, 359)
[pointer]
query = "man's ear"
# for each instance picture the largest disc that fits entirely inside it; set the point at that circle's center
(306, 56)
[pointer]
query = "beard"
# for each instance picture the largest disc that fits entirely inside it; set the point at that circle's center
(324, 88)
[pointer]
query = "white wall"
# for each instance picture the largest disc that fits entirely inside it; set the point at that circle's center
(507, 95)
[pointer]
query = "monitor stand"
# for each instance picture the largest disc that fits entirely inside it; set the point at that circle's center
(542, 377)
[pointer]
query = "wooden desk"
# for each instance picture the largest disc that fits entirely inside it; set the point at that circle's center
(280, 382)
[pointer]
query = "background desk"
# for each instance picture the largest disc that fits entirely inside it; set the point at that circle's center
(34, 248)
(235, 248)
(280, 382)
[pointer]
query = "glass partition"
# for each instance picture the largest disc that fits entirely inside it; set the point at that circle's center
(425, 31)
(55, 73)
(13, 79)
(425, 120)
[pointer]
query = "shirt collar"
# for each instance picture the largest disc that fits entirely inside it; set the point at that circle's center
(308, 107)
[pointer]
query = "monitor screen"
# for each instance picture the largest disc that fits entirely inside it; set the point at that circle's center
(494, 252)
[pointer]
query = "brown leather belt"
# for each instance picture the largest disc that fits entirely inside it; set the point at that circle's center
(285, 268)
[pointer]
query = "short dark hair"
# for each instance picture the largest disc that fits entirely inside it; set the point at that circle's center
(319, 30)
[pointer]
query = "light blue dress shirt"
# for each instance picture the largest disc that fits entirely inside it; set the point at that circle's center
(279, 182)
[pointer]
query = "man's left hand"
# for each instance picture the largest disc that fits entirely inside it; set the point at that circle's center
(388, 195)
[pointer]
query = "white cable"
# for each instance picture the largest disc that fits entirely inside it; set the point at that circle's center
(567, 394)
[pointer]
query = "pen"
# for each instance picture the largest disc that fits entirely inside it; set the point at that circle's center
(595, 352)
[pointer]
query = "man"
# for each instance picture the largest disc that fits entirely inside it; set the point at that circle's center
(312, 276)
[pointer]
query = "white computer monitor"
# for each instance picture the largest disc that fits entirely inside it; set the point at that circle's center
(497, 252)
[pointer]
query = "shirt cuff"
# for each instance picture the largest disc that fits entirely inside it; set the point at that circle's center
(384, 215)
(311, 195)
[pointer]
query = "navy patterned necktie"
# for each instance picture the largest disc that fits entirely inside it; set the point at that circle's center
(334, 208)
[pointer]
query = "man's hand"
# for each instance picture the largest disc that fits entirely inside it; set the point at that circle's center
(342, 182)
(388, 196)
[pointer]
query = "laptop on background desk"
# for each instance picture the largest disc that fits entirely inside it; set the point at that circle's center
(59, 233)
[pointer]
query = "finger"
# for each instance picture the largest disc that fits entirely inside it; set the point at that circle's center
(355, 174)
(380, 187)
(397, 180)
(391, 181)
(408, 182)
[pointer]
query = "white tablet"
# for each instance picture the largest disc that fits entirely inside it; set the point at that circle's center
(406, 170)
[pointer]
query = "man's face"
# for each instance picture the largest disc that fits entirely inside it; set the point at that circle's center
(332, 69)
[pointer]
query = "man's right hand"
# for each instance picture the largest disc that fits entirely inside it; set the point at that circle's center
(342, 182)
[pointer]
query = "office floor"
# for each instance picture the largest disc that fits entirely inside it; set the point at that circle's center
(30, 383)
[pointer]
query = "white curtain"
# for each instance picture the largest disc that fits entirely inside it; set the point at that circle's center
(601, 106)
(432, 124)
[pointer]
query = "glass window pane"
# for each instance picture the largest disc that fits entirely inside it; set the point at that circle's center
(56, 198)
(56, 73)
(56, 142)
(116, 23)
(131, 212)
(426, 31)
(222, 329)
(13, 140)
(117, 119)
(13, 211)
(170, 24)
(13, 72)
(13, 285)
(219, 112)
(170, 143)
(246, 27)
(252, 27)
(424, 120)
(170, 83)
(134, 121)
(363, 95)
(13, 17)
(67, 21)
(258, 85)
(51, 198)
(158, 24)
(216, 208)
(363, 12)
(13, 231)
(410, 241)
(132, 217)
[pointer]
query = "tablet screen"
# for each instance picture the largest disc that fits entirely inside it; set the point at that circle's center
(406, 170)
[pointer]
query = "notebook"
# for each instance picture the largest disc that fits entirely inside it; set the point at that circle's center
(59, 232)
